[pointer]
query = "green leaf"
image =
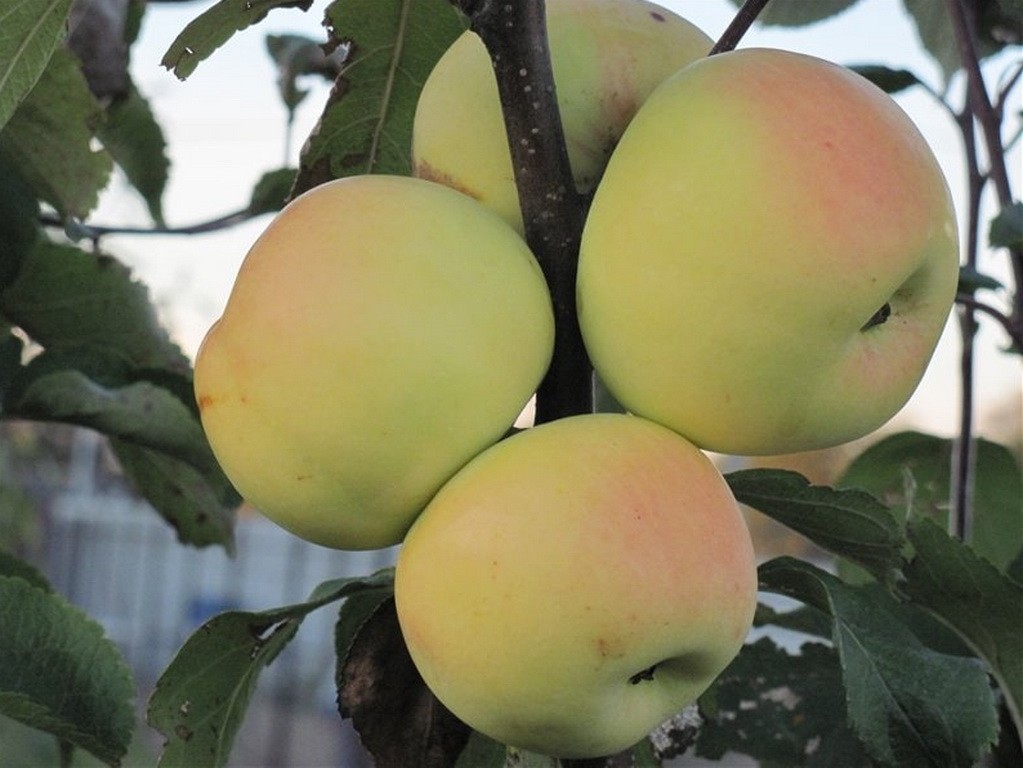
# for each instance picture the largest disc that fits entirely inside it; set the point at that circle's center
(366, 125)
(972, 280)
(295, 56)
(29, 32)
(887, 79)
(136, 142)
(913, 471)
(482, 752)
(16, 567)
(934, 28)
(799, 13)
(201, 698)
(49, 139)
(849, 523)
(59, 674)
(779, 707)
(983, 606)
(65, 296)
(214, 27)
(271, 191)
(199, 505)
(93, 388)
(1007, 228)
(19, 220)
(908, 704)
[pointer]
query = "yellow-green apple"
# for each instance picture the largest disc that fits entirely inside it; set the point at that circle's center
(380, 333)
(770, 258)
(577, 584)
(607, 56)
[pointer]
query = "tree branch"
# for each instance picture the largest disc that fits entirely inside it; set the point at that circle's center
(553, 211)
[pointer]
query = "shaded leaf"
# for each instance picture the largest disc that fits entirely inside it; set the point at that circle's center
(199, 505)
(296, 56)
(399, 721)
(201, 698)
(136, 142)
(49, 139)
(271, 191)
(482, 752)
(214, 27)
(65, 296)
(779, 708)
(19, 220)
(1007, 228)
(849, 523)
(98, 39)
(887, 79)
(18, 568)
(366, 125)
(984, 606)
(29, 32)
(93, 388)
(908, 704)
(913, 471)
(799, 13)
(937, 36)
(972, 280)
(59, 674)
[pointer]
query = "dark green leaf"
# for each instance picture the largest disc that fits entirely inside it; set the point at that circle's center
(354, 613)
(399, 721)
(93, 388)
(214, 27)
(49, 139)
(135, 140)
(1007, 228)
(59, 674)
(910, 470)
(199, 505)
(366, 126)
(779, 707)
(935, 31)
(908, 704)
(201, 698)
(482, 752)
(29, 32)
(19, 220)
(67, 297)
(887, 79)
(15, 567)
(271, 191)
(971, 280)
(799, 13)
(297, 56)
(984, 606)
(805, 620)
(849, 523)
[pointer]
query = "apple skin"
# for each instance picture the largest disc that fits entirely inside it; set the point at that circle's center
(546, 579)
(380, 333)
(759, 210)
(607, 56)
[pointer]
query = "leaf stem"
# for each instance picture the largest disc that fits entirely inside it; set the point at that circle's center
(553, 211)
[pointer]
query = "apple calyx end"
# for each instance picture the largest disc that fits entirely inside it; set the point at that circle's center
(878, 318)
(643, 674)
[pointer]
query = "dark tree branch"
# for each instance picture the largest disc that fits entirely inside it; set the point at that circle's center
(553, 211)
(739, 25)
(95, 231)
(966, 300)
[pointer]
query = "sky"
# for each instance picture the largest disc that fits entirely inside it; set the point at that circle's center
(225, 127)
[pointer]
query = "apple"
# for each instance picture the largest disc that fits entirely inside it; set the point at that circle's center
(381, 332)
(607, 56)
(577, 584)
(770, 257)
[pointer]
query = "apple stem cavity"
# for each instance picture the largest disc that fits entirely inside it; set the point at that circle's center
(643, 674)
(553, 211)
(878, 318)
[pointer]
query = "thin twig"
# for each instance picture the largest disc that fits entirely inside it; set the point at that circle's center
(96, 231)
(966, 300)
(739, 25)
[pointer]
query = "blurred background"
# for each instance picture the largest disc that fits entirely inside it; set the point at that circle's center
(225, 127)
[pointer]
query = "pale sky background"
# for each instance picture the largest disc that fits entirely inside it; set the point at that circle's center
(225, 126)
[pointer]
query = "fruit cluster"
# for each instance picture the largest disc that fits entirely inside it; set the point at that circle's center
(767, 264)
